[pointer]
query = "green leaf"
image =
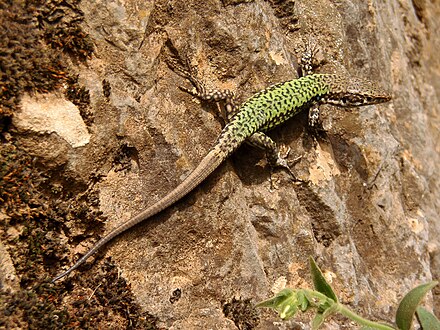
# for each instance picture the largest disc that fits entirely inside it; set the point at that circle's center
(427, 320)
(317, 321)
(319, 281)
(328, 308)
(409, 303)
(279, 298)
(285, 303)
(303, 301)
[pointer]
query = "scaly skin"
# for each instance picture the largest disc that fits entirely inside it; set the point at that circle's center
(263, 111)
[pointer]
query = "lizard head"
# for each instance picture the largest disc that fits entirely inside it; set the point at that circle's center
(354, 92)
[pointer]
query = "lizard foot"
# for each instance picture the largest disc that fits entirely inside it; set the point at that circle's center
(281, 161)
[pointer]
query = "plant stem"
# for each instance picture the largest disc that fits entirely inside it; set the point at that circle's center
(360, 320)
(345, 311)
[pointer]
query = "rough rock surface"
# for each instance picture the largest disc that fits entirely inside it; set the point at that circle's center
(369, 213)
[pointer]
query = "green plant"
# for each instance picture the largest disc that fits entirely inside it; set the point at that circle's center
(289, 301)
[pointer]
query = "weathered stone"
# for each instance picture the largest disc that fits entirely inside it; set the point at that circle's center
(370, 211)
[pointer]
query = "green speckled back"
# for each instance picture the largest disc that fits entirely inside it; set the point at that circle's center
(271, 107)
(277, 103)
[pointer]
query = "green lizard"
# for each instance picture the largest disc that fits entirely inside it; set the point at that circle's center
(249, 122)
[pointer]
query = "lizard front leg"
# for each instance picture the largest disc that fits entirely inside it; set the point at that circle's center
(307, 60)
(307, 65)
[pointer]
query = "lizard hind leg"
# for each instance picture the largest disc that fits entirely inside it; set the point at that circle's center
(225, 96)
(276, 155)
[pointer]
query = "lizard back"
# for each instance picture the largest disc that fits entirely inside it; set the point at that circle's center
(271, 107)
(279, 102)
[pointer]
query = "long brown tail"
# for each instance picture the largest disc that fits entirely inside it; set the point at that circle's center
(208, 164)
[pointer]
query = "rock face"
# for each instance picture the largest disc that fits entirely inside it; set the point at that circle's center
(369, 212)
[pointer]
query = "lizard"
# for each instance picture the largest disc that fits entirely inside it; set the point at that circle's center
(250, 121)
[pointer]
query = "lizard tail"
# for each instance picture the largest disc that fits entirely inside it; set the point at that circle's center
(208, 164)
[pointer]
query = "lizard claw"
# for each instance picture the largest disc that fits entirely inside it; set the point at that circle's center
(281, 161)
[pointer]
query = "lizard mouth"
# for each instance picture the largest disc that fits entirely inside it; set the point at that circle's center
(353, 100)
